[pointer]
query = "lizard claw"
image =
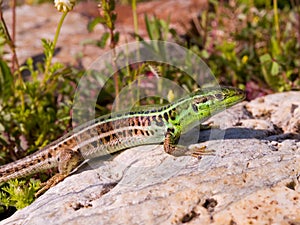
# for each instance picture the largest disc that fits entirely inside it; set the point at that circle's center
(198, 152)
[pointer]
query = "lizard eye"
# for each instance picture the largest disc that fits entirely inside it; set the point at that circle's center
(219, 96)
(200, 100)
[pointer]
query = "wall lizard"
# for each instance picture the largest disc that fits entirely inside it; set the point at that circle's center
(113, 133)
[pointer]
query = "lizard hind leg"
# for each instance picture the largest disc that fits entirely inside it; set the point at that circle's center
(68, 160)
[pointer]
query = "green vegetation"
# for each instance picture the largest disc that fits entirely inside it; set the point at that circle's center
(33, 112)
(248, 44)
(18, 193)
(243, 43)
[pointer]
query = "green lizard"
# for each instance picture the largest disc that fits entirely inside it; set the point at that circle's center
(113, 133)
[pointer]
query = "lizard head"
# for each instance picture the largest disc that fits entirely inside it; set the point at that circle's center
(214, 100)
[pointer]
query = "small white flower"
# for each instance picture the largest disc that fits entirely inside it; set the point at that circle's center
(64, 5)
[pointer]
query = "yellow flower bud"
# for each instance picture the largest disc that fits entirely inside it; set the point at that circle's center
(245, 59)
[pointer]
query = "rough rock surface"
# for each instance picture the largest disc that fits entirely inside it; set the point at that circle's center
(253, 177)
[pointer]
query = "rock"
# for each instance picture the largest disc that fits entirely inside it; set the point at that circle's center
(251, 178)
(282, 109)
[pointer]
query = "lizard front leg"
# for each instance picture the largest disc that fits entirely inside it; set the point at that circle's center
(171, 147)
(67, 160)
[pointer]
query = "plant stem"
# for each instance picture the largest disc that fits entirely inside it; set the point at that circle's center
(116, 74)
(136, 31)
(58, 29)
(276, 21)
(10, 42)
(13, 36)
(135, 22)
(49, 59)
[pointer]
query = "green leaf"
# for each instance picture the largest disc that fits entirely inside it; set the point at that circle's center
(265, 58)
(112, 5)
(275, 47)
(92, 24)
(148, 27)
(116, 37)
(204, 54)
(103, 40)
(173, 31)
(114, 17)
(47, 44)
(6, 81)
(275, 68)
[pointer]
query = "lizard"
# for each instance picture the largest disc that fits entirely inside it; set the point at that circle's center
(116, 132)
